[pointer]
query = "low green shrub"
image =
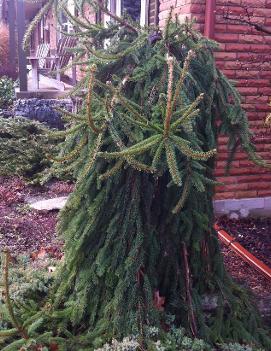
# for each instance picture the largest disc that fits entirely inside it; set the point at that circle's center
(24, 147)
(7, 92)
(28, 285)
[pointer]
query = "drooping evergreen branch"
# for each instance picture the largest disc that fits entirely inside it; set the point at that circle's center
(183, 74)
(13, 318)
(75, 61)
(120, 20)
(139, 116)
(71, 117)
(96, 130)
(188, 113)
(167, 25)
(91, 161)
(72, 154)
(196, 155)
(112, 171)
(136, 149)
(77, 21)
(137, 43)
(157, 156)
(172, 163)
(9, 332)
(78, 89)
(185, 192)
(170, 62)
(34, 23)
(65, 133)
(139, 166)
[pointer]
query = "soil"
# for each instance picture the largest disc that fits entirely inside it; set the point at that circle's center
(31, 232)
(257, 284)
(22, 229)
(252, 233)
(246, 275)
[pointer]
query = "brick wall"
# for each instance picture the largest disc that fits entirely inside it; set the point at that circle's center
(185, 9)
(244, 57)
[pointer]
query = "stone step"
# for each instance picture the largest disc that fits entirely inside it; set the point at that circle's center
(56, 203)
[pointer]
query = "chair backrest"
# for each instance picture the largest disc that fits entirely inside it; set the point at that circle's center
(42, 52)
(63, 54)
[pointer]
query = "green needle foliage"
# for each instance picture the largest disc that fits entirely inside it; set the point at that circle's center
(24, 145)
(139, 239)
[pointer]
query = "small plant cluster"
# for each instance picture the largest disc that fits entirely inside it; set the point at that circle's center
(22, 280)
(174, 340)
(238, 347)
(24, 146)
(7, 92)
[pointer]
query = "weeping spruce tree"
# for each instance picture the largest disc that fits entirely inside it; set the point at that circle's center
(140, 248)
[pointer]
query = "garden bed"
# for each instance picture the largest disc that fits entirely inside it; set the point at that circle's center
(252, 233)
(250, 278)
(246, 275)
(22, 229)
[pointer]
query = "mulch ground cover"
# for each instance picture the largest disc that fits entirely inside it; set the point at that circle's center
(246, 275)
(31, 232)
(22, 229)
(252, 233)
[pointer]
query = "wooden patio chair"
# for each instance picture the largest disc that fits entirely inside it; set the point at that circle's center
(57, 62)
(63, 55)
(38, 61)
(42, 52)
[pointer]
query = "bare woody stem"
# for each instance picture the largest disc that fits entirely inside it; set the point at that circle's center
(248, 22)
(169, 97)
(13, 318)
(93, 69)
(188, 288)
